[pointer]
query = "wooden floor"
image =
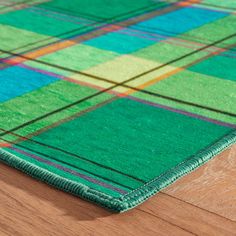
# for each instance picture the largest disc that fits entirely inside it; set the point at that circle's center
(201, 203)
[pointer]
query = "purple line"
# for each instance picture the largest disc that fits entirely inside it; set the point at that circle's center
(142, 34)
(183, 112)
(171, 40)
(58, 18)
(88, 178)
(37, 9)
(211, 8)
(58, 76)
(227, 55)
(41, 71)
(146, 102)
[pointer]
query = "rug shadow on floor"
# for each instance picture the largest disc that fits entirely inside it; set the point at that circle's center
(71, 205)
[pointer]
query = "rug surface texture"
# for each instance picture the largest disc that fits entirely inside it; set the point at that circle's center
(112, 101)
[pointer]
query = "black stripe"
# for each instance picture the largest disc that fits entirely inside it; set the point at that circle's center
(101, 19)
(188, 103)
(74, 155)
(124, 23)
(123, 84)
(216, 6)
(48, 156)
(15, 4)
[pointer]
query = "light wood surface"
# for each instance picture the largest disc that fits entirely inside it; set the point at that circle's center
(201, 203)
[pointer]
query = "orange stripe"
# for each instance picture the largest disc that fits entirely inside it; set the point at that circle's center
(164, 76)
(41, 52)
(65, 44)
(68, 43)
(5, 144)
(153, 81)
(188, 3)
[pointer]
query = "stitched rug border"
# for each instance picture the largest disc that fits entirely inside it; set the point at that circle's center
(132, 199)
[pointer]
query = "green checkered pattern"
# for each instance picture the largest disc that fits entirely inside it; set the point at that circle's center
(114, 100)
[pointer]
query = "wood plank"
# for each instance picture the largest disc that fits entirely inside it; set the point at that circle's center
(212, 186)
(187, 216)
(29, 207)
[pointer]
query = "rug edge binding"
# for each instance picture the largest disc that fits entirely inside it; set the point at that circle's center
(131, 199)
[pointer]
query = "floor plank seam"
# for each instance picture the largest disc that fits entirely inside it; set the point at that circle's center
(169, 222)
(189, 203)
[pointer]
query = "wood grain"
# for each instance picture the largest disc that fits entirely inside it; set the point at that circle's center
(28, 206)
(211, 187)
(187, 216)
(191, 206)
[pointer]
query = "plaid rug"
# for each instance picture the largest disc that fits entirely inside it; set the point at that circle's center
(114, 100)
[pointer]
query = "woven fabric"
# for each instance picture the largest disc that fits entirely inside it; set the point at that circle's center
(114, 100)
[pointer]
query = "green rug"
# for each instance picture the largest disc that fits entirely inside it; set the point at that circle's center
(112, 101)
